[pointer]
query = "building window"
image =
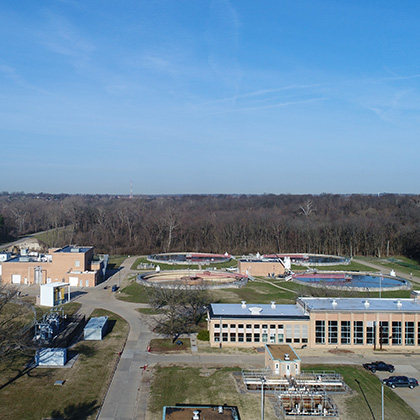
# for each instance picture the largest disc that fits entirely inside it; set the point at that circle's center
(224, 325)
(345, 332)
(332, 332)
(241, 326)
(77, 263)
(396, 333)
(241, 337)
(280, 326)
(264, 338)
(304, 333)
(409, 333)
(248, 337)
(232, 326)
(224, 336)
(232, 337)
(272, 327)
(264, 326)
(289, 333)
(358, 332)
(256, 326)
(216, 326)
(249, 326)
(418, 334)
(272, 338)
(320, 332)
(217, 337)
(383, 332)
(257, 338)
(280, 338)
(370, 333)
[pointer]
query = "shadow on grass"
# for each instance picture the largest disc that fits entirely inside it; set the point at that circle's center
(364, 396)
(79, 411)
(110, 326)
(86, 350)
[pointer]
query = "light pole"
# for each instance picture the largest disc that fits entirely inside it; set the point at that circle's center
(263, 381)
(383, 401)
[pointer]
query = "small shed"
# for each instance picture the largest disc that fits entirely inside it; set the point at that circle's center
(51, 357)
(53, 294)
(96, 328)
(282, 360)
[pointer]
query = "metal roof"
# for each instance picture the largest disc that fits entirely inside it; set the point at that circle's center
(360, 304)
(257, 311)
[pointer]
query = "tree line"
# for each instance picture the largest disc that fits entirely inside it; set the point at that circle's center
(356, 224)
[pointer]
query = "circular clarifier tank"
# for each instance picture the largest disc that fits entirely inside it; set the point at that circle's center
(189, 258)
(352, 281)
(192, 279)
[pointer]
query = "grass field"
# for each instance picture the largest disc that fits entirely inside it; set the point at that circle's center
(400, 263)
(31, 393)
(134, 293)
(185, 385)
(353, 266)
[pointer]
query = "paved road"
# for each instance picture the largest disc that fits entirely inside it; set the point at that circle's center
(126, 398)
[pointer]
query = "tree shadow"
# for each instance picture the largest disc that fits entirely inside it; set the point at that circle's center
(364, 396)
(80, 411)
(86, 350)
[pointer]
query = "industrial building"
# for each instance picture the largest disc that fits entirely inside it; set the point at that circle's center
(75, 265)
(200, 412)
(318, 323)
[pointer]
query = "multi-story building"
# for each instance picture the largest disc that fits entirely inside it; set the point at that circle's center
(71, 264)
(318, 322)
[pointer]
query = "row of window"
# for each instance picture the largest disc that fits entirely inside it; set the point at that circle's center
(250, 326)
(292, 334)
(383, 333)
(257, 338)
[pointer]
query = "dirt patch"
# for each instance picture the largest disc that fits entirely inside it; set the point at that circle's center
(340, 351)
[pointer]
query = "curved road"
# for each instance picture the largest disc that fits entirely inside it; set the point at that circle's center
(127, 395)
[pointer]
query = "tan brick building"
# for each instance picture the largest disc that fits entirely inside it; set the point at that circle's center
(71, 264)
(318, 322)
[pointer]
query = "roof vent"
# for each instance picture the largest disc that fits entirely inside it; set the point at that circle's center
(273, 305)
(220, 409)
(399, 304)
(255, 310)
(243, 303)
(196, 415)
(334, 303)
(367, 304)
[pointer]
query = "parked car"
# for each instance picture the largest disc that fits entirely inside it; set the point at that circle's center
(374, 366)
(401, 381)
(114, 288)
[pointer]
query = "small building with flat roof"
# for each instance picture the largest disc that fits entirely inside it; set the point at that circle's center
(96, 328)
(54, 294)
(282, 360)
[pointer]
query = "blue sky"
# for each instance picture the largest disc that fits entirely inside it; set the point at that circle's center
(197, 96)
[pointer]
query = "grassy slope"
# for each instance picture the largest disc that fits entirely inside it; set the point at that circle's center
(363, 382)
(84, 387)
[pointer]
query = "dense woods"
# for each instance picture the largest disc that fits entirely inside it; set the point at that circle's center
(350, 225)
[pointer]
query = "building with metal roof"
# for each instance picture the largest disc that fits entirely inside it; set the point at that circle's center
(318, 322)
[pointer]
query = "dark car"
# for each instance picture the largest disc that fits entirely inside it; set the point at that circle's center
(374, 366)
(402, 381)
(114, 288)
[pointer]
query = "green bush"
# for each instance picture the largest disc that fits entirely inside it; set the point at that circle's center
(203, 335)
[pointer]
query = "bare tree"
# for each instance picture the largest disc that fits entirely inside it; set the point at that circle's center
(180, 309)
(14, 315)
(307, 208)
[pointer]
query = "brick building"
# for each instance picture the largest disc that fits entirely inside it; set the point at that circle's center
(75, 265)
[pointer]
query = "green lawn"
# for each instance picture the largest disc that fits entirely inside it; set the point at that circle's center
(398, 262)
(353, 266)
(31, 394)
(185, 385)
(366, 398)
(115, 261)
(134, 293)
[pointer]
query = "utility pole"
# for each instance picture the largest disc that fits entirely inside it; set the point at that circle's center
(263, 381)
